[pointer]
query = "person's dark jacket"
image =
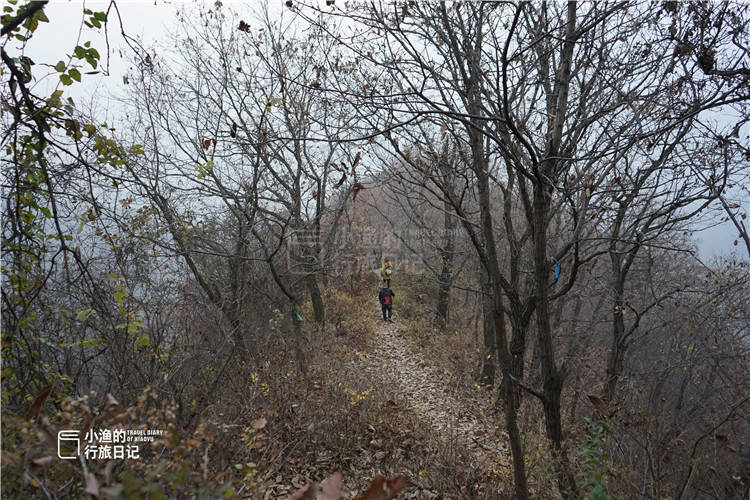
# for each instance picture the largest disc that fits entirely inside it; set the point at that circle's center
(383, 293)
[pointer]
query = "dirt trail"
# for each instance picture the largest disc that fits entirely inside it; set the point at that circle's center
(469, 421)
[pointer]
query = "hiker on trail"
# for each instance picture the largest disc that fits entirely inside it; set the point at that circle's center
(386, 302)
(385, 272)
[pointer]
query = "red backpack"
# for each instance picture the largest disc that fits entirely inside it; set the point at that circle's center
(387, 300)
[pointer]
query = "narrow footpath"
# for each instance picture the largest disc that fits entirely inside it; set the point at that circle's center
(470, 424)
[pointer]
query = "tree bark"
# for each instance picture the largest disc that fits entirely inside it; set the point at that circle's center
(489, 364)
(446, 272)
(319, 311)
(616, 354)
(495, 276)
(552, 376)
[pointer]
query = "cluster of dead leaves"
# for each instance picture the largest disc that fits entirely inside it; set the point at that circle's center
(115, 413)
(330, 489)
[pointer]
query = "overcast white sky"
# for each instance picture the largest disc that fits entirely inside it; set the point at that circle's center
(148, 20)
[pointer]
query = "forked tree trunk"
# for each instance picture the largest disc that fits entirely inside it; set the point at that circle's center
(552, 376)
(494, 275)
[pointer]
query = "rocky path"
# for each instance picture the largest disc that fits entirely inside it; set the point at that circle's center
(468, 421)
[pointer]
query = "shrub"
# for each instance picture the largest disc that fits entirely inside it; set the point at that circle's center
(595, 459)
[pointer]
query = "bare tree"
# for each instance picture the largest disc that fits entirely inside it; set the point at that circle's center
(228, 125)
(552, 96)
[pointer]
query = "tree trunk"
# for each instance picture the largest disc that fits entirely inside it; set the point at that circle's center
(444, 295)
(511, 426)
(317, 301)
(616, 354)
(299, 353)
(552, 376)
(517, 350)
(446, 273)
(493, 271)
(508, 393)
(489, 364)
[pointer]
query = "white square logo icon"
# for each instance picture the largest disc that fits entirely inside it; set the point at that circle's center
(66, 442)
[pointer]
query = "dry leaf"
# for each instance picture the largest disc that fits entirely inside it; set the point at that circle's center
(339, 183)
(306, 493)
(36, 406)
(108, 472)
(382, 489)
(258, 423)
(49, 432)
(330, 489)
(599, 405)
(42, 462)
(92, 486)
(111, 401)
(357, 188)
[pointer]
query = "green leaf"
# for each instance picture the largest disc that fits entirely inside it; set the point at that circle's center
(205, 169)
(75, 74)
(66, 79)
(31, 24)
(120, 295)
(100, 16)
(60, 66)
(54, 100)
(79, 52)
(84, 314)
(46, 212)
